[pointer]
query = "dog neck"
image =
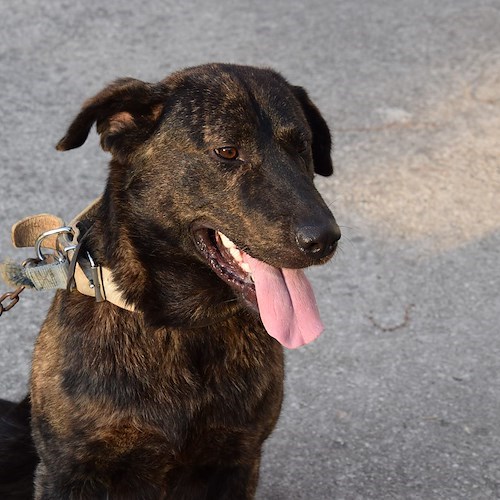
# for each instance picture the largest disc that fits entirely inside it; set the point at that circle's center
(172, 291)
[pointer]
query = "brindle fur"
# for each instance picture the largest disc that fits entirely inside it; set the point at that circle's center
(173, 401)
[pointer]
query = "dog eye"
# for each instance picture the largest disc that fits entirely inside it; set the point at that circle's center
(227, 153)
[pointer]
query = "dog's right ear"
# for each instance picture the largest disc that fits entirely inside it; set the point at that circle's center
(125, 114)
(322, 139)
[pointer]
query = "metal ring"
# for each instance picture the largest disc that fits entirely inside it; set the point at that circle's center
(38, 244)
(30, 262)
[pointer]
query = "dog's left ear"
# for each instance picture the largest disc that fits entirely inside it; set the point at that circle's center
(322, 139)
(125, 114)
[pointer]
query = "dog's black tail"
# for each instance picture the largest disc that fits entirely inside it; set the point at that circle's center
(18, 458)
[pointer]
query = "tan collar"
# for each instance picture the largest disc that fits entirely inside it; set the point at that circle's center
(57, 249)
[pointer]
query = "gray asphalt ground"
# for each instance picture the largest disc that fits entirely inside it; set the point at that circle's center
(400, 397)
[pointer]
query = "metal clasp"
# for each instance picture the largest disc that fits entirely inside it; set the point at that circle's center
(96, 282)
(57, 252)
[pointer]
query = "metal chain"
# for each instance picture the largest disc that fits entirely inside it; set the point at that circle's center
(13, 297)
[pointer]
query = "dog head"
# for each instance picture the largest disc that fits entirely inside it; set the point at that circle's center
(212, 181)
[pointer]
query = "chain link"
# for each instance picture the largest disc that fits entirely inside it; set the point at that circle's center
(13, 297)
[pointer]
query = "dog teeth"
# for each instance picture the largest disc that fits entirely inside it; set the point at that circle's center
(226, 241)
(235, 252)
(245, 267)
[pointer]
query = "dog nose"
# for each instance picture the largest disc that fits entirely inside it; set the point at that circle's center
(318, 240)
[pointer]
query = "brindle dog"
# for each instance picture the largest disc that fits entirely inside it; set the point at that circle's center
(208, 216)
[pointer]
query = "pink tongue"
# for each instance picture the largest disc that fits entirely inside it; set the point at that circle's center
(286, 303)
